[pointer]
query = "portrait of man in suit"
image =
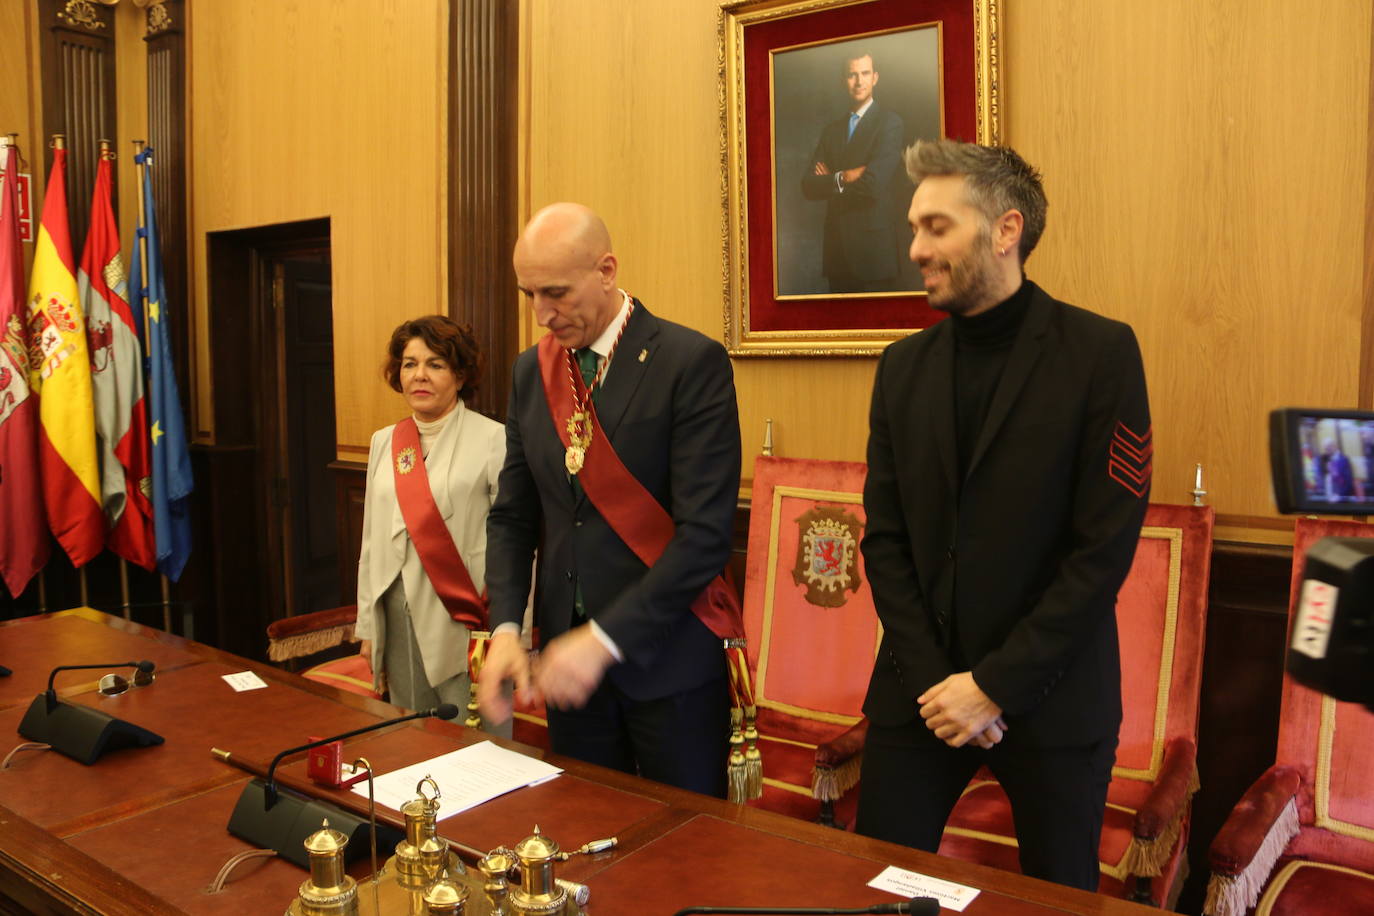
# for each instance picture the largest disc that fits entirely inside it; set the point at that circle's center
(843, 111)
(857, 163)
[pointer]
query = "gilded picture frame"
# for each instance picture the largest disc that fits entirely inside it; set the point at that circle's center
(789, 69)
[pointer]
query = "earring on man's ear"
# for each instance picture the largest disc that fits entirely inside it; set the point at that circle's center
(1002, 252)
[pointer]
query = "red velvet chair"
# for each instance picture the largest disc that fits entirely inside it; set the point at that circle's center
(1301, 840)
(808, 614)
(1161, 614)
(306, 634)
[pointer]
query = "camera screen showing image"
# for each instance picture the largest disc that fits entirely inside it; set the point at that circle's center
(1322, 460)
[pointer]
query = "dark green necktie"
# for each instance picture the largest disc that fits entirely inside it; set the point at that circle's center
(588, 362)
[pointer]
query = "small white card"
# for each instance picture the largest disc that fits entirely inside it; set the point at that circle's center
(244, 680)
(905, 883)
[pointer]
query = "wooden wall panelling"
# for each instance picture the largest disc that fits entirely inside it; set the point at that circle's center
(1182, 200)
(350, 486)
(482, 118)
(77, 53)
(166, 74)
(317, 108)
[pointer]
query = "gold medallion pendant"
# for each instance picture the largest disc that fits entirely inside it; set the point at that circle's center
(579, 439)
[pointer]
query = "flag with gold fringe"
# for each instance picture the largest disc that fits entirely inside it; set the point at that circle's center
(60, 371)
(24, 543)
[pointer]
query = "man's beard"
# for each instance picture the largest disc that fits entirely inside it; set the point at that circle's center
(971, 279)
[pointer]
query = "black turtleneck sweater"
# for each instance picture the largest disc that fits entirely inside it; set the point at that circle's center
(982, 344)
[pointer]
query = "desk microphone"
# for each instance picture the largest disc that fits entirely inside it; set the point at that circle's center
(283, 820)
(916, 906)
(5, 672)
(144, 667)
(82, 732)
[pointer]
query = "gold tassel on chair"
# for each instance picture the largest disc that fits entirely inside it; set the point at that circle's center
(735, 769)
(753, 757)
(477, 654)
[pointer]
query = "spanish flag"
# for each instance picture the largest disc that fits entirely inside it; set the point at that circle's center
(60, 371)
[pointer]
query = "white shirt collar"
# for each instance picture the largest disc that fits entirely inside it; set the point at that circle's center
(863, 109)
(603, 344)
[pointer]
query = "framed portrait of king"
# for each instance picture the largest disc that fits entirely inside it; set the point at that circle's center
(819, 101)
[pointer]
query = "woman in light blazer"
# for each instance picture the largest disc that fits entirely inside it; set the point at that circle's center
(414, 646)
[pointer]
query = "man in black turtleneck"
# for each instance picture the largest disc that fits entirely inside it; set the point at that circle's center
(1008, 475)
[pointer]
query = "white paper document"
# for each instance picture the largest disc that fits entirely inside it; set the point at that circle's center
(466, 777)
(244, 680)
(905, 883)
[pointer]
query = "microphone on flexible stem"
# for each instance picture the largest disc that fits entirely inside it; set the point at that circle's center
(144, 666)
(916, 906)
(81, 732)
(283, 820)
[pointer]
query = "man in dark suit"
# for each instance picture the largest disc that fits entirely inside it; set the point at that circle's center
(632, 678)
(855, 170)
(1008, 474)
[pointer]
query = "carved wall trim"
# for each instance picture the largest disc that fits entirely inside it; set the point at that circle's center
(77, 64)
(483, 74)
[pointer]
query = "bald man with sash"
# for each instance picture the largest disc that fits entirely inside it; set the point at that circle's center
(622, 468)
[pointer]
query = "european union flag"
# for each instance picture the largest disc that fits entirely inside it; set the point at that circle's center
(172, 482)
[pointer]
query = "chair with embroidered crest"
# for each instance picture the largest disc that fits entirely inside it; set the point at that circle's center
(1161, 616)
(1301, 840)
(811, 627)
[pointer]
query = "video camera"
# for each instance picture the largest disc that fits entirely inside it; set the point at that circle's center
(1323, 464)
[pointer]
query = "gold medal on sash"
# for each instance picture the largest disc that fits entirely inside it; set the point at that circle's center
(579, 439)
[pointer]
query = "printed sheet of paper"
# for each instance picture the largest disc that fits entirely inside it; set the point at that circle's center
(244, 680)
(905, 883)
(466, 777)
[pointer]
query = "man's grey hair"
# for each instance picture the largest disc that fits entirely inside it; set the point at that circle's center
(997, 179)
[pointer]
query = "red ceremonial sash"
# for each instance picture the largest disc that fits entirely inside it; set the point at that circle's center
(631, 511)
(438, 554)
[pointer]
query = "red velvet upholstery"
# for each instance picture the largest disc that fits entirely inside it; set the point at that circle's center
(1314, 810)
(809, 618)
(1161, 614)
(351, 673)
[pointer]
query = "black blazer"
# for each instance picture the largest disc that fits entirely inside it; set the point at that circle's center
(1025, 555)
(668, 407)
(861, 222)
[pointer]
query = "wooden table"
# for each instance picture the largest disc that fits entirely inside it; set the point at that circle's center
(143, 831)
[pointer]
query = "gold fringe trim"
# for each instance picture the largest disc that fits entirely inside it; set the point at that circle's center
(831, 783)
(289, 647)
(1233, 895)
(1147, 858)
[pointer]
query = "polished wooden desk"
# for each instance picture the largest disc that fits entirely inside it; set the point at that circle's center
(143, 831)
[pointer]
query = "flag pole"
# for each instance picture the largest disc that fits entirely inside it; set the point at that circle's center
(43, 590)
(166, 603)
(139, 168)
(124, 586)
(143, 247)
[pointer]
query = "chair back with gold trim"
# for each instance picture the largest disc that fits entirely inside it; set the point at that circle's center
(1161, 615)
(808, 615)
(1329, 743)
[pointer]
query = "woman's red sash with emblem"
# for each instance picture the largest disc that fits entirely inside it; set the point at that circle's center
(647, 528)
(433, 542)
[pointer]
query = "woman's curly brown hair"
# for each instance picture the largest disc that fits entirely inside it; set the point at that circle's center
(444, 337)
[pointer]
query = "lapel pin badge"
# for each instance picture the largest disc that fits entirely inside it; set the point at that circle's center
(643, 354)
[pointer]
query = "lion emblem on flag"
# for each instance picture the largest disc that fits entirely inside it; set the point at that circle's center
(828, 555)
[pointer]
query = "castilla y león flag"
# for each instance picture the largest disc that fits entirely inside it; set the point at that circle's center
(60, 371)
(121, 418)
(24, 543)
